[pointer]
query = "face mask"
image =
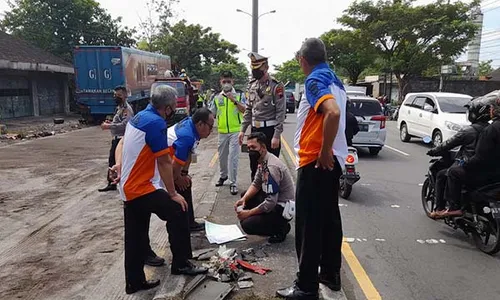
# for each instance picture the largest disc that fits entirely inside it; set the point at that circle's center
(254, 154)
(257, 74)
(227, 87)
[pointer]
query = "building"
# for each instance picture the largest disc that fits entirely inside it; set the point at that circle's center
(33, 82)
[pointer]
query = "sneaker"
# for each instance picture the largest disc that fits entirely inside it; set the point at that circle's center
(221, 181)
(233, 189)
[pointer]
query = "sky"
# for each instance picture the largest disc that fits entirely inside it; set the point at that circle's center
(281, 33)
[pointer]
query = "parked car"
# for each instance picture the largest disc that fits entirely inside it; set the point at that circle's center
(290, 102)
(355, 93)
(438, 115)
(372, 132)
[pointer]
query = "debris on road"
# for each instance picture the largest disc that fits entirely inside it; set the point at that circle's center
(203, 288)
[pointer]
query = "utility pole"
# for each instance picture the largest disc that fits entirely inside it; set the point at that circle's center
(255, 25)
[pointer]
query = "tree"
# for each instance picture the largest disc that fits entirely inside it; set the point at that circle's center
(485, 68)
(240, 75)
(410, 38)
(289, 71)
(159, 14)
(193, 47)
(348, 50)
(57, 26)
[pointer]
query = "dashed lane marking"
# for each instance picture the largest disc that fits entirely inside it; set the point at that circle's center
(397, 150)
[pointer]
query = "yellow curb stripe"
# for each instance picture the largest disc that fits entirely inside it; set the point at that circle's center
(214, 160)
(360, 274)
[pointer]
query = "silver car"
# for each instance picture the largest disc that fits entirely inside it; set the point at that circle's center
(371, 119)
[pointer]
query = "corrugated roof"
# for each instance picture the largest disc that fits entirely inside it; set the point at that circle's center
(17, 50)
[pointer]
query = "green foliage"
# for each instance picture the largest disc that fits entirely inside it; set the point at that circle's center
(289, 71)
(411, 39)
(59, 25)
(159, 13)
(485, 68)
(193, 47)
(240, 75)
(350, 51)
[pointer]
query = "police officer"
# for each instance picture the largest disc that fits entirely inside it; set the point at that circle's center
(123, 114)
(265, 110)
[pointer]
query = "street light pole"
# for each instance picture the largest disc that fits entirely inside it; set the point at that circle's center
(255, 25)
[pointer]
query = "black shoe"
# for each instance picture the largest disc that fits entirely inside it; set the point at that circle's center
(109, 187)
(195, 226)
(154, 261)
(332, 282)
(221, 181)
(233, 189)
(146, 285)
(279, 238)
(189, 269)
(295, 293)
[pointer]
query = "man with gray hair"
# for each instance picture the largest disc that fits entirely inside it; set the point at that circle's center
(144, 164)
(321, 147)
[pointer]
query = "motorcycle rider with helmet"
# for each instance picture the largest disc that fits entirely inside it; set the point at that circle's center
(484, 167)
(479, 115)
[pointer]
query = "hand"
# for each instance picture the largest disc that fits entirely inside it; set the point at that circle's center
(116, 173)
(244, 214)
(230, 96)
(105, 125)
(325, 160)
(183, 182)
(275, 143)
(179, 199)
(239, 203)
(240, 137)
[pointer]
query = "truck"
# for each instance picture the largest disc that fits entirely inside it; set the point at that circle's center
(99, 69)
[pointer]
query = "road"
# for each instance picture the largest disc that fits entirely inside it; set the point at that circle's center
(385, 217)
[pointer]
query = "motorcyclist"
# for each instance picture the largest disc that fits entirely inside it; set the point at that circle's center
(352, 125)
(479, 115)
(484, 167)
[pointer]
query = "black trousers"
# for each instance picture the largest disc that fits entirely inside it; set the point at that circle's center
(188, 196)
(318, 226)
(269, 132)
(266, 224)
(459, 178)
(111, 159)
(137, 214)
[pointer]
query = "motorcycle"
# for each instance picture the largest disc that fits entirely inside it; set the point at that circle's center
(481, 217)
(349, 176)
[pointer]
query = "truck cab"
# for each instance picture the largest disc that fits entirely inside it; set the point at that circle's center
(183, 95)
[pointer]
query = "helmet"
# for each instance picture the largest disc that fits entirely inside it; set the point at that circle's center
(169, 74)
(482, 105)
(477, 111)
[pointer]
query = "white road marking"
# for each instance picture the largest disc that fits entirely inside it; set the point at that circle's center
(359, 240)
(442, 241)
(342, 205)
(395, 206)
(350, 240)
(420, 184)
(380, 240)
(396, 150)
(432, 241)
(421, 241)
(366, 184)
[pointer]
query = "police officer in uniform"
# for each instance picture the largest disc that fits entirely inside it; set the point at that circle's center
(266, 107)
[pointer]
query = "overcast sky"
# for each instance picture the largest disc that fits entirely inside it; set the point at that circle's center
(282, 33)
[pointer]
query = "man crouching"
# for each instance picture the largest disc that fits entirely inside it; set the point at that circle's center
(261, 207)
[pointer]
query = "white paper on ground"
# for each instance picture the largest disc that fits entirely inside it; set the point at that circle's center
(220, 234)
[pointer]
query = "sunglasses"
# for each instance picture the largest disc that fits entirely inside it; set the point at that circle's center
(226, 81)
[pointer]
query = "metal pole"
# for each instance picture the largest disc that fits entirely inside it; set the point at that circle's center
(441, 82)
(390, 89)
(255, 25)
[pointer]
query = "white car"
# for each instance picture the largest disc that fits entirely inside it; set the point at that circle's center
(355, 94)
(437, 115)
(371, 119)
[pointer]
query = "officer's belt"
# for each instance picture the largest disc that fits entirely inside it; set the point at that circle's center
(259, 124)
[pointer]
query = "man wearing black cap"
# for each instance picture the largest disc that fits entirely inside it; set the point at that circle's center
(266, 107)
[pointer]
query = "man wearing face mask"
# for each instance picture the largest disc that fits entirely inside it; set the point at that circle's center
(266, 107)
(123, 114)
(261, 207)
(228, 107)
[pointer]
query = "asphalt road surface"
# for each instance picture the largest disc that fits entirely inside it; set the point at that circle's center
(384, 225)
